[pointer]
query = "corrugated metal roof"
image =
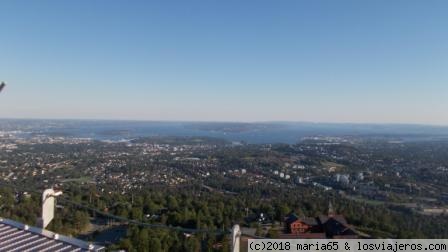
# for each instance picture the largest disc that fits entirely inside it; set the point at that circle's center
(15, 236)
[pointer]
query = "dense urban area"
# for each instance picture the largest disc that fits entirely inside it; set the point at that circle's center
(191, 190)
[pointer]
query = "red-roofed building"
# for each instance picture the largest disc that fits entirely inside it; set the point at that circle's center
(300, 225)
(325, 226)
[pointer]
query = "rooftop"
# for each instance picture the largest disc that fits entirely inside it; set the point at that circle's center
(15, 236)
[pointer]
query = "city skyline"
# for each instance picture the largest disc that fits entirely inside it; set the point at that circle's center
(254, 61)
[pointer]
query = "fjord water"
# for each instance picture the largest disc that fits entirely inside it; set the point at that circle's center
(269, 132)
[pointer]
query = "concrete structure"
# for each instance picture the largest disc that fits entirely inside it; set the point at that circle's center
(236, 234)
(48, 204)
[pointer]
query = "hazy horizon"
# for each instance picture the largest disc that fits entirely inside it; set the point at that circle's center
(224, 122)
(367, 62)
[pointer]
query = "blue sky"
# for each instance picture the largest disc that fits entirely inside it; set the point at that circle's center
(376, 61)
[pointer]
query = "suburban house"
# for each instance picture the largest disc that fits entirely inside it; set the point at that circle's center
(331, 225)
(300, 225)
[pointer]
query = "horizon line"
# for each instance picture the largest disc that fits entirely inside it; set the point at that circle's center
(227, 121)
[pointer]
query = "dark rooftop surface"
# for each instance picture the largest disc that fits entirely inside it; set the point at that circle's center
(15, 236)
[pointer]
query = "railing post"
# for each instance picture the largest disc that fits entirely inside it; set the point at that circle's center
(236, 234)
